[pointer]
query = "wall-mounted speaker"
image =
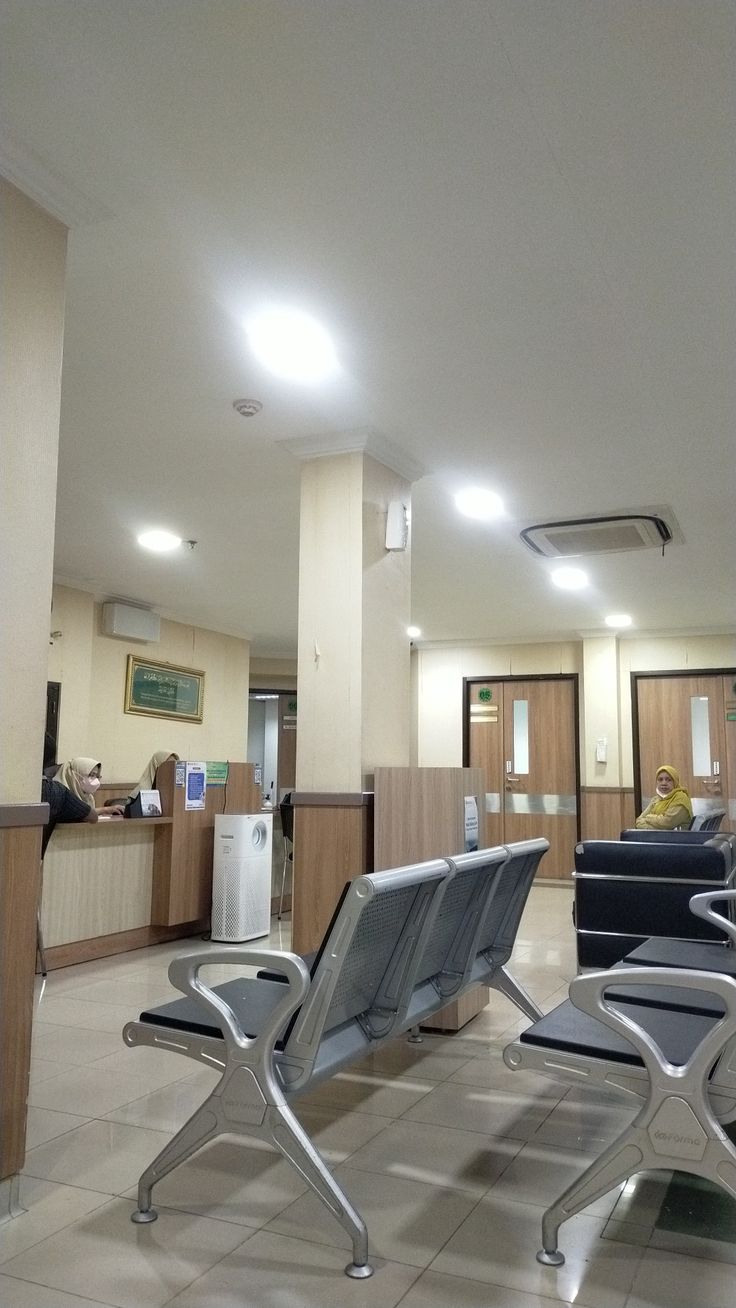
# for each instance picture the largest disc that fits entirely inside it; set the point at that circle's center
(397, 526)
(126, 622)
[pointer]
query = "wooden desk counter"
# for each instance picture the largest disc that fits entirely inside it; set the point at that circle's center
(97, 880)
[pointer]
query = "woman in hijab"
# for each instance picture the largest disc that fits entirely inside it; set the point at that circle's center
(671, 805)
(82, 777)
(148, 776)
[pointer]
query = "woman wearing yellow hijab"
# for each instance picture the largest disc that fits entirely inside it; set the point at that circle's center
(671, 805)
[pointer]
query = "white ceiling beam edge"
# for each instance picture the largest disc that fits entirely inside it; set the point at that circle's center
(359, 440)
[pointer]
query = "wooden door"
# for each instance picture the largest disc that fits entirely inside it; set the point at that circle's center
(523, 733)
(681, 720)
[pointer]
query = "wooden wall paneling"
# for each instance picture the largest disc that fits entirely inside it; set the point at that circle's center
(287, 743)
(20, 872)
(605, 812)
(331, 846)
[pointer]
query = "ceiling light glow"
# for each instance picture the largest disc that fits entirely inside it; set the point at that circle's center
(161, 542)
(413, 632)
(618, 620)
(570, 578)
(292, 345)
(475, 502)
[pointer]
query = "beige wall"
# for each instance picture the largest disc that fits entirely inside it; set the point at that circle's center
(91, 668)
(272, 674)
(605, 665)
(438, 683)
(33, 258)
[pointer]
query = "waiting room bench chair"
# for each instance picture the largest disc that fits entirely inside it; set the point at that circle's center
(665, 1035)
(402, 943)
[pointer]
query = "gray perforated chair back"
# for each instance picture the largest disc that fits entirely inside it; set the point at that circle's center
(507, 905)
(368, 961)
(708, 821)
(465, 899)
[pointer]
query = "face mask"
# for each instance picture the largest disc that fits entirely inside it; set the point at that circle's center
(662, 793)
(89, 784)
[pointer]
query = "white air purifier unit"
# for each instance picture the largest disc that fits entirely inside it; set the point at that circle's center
(241, 877)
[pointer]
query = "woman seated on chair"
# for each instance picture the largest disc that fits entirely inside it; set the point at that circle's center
(82, 777)
(671, 806)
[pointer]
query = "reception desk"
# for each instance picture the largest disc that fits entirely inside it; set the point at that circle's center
(120, 884)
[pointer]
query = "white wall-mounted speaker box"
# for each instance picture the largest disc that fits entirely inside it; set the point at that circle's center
(241, 877)
(130, 623)
(397, 526)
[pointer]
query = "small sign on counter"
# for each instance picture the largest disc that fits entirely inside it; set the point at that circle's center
(196, 786)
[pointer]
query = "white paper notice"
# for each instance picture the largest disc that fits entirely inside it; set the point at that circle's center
(196, 785)
(471, 823)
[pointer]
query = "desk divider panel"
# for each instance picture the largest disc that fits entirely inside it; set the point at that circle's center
(182, 857)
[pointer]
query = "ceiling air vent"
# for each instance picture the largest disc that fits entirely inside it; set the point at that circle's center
(608, 534)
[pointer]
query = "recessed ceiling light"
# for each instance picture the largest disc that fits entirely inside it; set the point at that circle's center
(413, 632)
(475, 502)
(618, 620)
(292, 345)
(570, 578)
(161, 542)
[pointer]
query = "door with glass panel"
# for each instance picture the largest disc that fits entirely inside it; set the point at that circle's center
(523, 733)
(682, 720)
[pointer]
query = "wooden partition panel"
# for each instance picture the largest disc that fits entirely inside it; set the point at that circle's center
(20, 870)
(182, 856)
(420, 813)
(333, 839)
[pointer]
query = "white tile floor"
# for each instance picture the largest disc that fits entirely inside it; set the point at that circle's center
(450, 1157)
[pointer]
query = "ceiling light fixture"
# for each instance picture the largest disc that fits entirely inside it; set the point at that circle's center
(475, 502)
(292, 345)
(570, 578)
(618, 620)
(413, 632)
(161, 542)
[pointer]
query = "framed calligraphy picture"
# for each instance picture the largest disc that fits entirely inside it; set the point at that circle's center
(163, 690)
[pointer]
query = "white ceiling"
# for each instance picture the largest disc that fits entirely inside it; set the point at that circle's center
(516, 219)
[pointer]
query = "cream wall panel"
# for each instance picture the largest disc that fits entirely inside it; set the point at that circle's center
(386, 651)
(600, 712)
(330, 624)
(92, 668)
(33, 259)
(96, 882)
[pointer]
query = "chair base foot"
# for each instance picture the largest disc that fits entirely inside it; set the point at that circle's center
(550, 1257)
(141, 1218)
(358, 1272)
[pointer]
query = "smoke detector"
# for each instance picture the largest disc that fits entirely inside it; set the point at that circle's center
(247, 408)
(608, 533)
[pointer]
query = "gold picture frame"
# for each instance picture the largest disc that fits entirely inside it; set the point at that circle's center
(163, 690)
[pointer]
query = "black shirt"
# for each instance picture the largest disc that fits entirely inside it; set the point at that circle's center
(63, 807)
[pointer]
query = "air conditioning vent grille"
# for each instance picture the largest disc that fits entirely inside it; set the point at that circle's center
(614, 533)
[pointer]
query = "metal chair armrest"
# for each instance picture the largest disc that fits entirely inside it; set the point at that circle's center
(587, 994)
(184, 974)
(700, 905)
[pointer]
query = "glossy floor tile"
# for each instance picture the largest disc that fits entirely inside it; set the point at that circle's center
(449, 1156)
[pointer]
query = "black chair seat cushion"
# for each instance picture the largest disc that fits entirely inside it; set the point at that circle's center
(252, 1002)
(567, 1030)
(690, 954)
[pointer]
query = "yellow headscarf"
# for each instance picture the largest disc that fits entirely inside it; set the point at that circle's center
(70, 772)
(678, 797)
(148, 776)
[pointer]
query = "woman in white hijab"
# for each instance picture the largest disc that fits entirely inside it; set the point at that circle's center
(148, 776)
(82, 777)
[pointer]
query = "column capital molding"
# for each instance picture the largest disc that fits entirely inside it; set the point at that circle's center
(356, 440)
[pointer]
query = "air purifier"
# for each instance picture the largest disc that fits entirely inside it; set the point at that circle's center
(241, 877)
